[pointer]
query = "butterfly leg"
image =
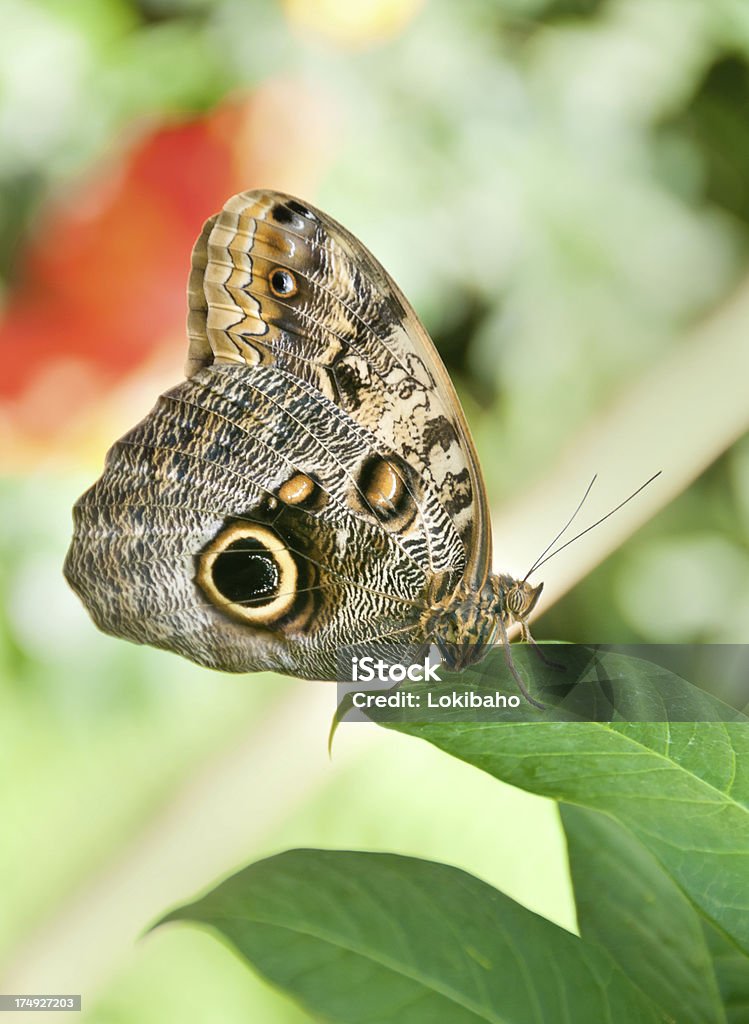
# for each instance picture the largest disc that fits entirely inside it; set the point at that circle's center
(525, 634)
(515, 674)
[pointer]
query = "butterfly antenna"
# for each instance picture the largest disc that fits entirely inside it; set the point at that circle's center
(598, 522)
(562, 532)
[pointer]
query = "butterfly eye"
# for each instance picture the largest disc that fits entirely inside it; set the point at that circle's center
(283, 283)
(522, 599)
(248, 573)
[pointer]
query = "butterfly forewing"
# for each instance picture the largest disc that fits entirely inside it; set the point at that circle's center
(349, 331)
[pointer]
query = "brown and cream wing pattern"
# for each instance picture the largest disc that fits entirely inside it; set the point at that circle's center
(310, 485)
(275, 280)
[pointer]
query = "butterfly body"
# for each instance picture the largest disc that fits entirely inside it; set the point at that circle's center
(310, 486)
(465, 622)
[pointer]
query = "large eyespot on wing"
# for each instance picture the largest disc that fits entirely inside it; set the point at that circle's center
(248, 572)
(275, 280)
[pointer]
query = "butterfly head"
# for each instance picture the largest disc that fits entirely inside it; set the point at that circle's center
(517, 599)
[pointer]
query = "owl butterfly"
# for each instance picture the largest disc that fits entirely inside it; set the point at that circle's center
(312, 485)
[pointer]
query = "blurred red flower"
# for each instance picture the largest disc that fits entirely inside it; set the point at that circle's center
(100, 289)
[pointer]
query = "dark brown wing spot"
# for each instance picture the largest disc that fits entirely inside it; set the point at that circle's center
(350, 385)
(383, 487)
(302, 210)
(283, 215)
(247, 573)
(282, 283)
(439, 431)
(456, 492)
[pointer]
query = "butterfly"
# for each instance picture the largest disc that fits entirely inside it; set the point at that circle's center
(311, 485)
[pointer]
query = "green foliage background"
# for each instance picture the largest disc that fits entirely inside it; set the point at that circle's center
(562, 190)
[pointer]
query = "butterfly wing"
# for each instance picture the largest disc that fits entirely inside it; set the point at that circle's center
(310, 485)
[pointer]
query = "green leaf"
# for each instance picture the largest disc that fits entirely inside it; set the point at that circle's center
(630, 906)
(681, 787)
(732, 972)
(368, 938)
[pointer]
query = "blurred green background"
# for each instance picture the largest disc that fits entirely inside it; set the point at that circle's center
(561, 187)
